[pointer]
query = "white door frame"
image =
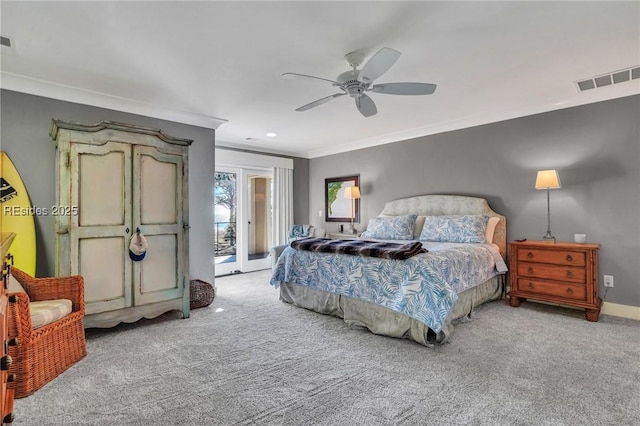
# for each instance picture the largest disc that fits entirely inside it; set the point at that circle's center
(247, 265)
(242, 262)
(230, 267)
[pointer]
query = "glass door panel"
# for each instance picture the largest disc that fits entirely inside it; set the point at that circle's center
(259, 219)
(225, 221)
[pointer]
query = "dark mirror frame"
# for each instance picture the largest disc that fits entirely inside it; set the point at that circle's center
(340, 180)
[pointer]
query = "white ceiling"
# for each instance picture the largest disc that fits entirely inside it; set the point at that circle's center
(219, 64)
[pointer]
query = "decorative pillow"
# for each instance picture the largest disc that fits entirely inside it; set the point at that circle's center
(391, 227)
(298, 231)
(48, 311)
(455, 229)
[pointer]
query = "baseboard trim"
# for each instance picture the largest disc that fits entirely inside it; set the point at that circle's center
(623, 311)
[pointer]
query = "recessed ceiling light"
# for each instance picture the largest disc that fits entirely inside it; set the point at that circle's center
(272, 135)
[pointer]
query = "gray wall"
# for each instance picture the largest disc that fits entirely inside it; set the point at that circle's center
(24, 136)
(595, 148)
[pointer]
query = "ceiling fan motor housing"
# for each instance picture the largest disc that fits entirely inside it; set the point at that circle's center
(349, 81)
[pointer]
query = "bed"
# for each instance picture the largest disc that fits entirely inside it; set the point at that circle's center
(419, 298)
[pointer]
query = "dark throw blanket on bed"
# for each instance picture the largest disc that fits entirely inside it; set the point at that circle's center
(361, 247)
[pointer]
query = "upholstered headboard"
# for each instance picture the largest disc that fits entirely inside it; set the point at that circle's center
(438, 205)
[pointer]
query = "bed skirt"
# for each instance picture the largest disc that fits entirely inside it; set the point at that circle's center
(380, 320)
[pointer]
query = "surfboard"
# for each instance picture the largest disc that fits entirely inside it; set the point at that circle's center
(17, 216)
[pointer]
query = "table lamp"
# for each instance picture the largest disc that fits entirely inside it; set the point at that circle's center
(548, 179)
(352, 193)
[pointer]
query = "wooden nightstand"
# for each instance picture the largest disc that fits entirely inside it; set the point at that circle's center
(562, 273)
(343, 236)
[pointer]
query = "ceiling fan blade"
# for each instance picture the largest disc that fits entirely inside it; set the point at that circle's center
(404, 88)
(366, 106)
(296, 75)
(319, 102)
(378, 64)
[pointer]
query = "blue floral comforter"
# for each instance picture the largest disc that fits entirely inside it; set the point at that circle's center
(424, 287)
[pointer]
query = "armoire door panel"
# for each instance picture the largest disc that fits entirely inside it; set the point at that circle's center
(158, 189)
(103, 265)
(100, 190)
(159, 271)
(101, 180)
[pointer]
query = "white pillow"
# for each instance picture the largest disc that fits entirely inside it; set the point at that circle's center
(419, 225)
(14, 285)
(491, 228)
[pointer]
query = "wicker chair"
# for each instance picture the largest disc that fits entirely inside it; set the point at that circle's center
(40, 355)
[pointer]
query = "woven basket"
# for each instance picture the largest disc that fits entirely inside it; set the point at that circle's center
(202, 293)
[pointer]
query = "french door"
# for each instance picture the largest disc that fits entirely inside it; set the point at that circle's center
(243, 217)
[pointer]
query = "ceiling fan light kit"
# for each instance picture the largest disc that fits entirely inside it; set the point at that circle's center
(356, 82)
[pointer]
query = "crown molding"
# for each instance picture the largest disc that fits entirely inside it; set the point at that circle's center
(47, 89)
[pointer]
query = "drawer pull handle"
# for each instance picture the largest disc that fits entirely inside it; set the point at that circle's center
(569, 258)
(530, 270)
(569, 274)
(530, 255)
(569, 291)
(530, 285)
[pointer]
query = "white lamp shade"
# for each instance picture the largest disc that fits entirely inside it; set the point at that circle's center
(352, 192)
(548, 179)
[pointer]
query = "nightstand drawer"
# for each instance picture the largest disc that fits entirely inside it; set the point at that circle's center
(565, 291)
(556, 257)
(551, 272)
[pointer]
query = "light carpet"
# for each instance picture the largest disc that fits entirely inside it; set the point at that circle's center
(250, 359)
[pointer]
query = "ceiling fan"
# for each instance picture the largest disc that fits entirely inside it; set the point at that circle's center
(356, 82)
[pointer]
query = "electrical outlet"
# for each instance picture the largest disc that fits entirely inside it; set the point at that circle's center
(608, 280)
(319, 213)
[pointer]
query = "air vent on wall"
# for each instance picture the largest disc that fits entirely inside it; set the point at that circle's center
(5, 41)
(614, 77)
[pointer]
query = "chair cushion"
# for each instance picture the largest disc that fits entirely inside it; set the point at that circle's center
(48, 311)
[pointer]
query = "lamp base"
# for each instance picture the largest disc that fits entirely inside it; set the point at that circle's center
(548, 238)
